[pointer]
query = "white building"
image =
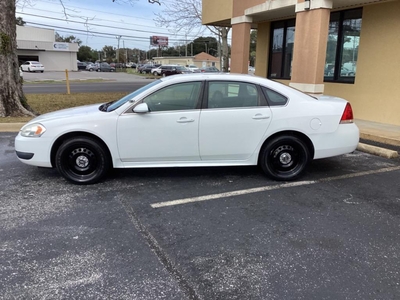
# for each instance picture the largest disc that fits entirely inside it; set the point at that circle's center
(38, 44)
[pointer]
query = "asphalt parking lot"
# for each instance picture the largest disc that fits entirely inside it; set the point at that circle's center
(201, 233)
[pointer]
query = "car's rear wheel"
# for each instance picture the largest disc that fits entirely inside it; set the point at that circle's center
(82, 160)
(143, 72)
(285, 158)
(29, 69)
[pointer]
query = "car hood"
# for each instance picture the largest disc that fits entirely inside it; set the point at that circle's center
(76, 112)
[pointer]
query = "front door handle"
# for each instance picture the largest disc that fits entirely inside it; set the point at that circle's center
(185, 120)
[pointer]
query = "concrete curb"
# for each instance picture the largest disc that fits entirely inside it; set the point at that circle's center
(377, 151)
(11, 127)
(379, 139)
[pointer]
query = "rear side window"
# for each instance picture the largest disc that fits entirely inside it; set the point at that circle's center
(274, 98)
(227, 94)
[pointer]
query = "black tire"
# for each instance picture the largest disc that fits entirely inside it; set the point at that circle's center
(155, 73)
(29, 70)
(285, 158)
(41, 71)
(82, 160)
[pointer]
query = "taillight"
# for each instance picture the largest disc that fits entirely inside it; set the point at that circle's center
(347, 116)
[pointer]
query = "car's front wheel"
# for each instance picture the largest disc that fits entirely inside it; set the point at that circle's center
(155, 73)
(285, 158)
(82, 160)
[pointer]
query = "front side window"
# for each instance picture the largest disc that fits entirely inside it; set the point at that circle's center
(181, 96)
(227, 94)
(342, 47)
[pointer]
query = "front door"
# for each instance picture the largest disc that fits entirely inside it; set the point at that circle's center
(168, 133)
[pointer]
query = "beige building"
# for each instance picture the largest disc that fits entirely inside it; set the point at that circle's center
(38, 44)
(200, 60)
(346, 48)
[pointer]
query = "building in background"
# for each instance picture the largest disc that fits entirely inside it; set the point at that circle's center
(346, 48)
(39, 44)
(200, 60)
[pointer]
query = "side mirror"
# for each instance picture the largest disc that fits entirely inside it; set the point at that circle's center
(141, 108)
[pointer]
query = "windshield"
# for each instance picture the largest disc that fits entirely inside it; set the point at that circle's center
(130, 96)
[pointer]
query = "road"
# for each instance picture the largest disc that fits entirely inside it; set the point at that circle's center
(84, 87)
(201, 233)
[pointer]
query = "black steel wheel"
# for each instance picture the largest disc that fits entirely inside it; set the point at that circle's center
(82, 160)
(285, 158)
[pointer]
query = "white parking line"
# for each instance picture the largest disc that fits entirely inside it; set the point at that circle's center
(268, 188)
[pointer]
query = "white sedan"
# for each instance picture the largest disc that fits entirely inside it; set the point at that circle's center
(32, 66)
(189, 121)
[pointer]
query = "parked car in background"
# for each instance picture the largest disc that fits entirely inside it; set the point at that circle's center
(32, 66)
(91, 67)
(193, 68)
(100, 67)
(81, 65)
(174, 70)
(209, 70)
(192, 121)
(344, 72)
(159, 70)
(146, 69)
(131, 65)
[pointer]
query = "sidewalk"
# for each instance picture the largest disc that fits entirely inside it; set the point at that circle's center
(370, 131)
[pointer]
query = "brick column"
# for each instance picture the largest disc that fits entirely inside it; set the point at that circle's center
(240, 51)
(309, 54)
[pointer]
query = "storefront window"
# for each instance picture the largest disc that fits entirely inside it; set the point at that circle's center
(282, 49)
(342, 48)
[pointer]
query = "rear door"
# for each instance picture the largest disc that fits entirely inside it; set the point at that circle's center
(233, 122)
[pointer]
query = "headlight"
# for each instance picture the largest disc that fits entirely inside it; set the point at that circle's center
(33, 130)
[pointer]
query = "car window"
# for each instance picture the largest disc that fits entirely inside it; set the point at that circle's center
(130, 96)
(180, 96)
(274, 98)
(225, 94)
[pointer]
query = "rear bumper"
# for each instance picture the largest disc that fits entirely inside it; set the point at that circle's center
(344, 140)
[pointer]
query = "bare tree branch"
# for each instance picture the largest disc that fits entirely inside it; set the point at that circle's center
(186, 16)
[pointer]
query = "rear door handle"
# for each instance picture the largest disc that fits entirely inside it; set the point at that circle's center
(260, 117)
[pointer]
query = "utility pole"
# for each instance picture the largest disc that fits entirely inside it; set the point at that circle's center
(118, 38)
(185, 45)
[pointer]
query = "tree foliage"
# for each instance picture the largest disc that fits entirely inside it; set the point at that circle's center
(19, 21)
(67, 39)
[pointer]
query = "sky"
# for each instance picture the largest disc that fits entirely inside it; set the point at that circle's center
(107, 22)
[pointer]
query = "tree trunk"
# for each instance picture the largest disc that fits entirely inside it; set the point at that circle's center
(225, 49)
(12, 100)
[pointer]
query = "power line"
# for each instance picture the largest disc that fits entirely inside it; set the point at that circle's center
(93, 24)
